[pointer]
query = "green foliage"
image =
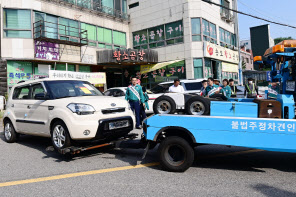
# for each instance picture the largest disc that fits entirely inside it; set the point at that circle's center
(280, 39)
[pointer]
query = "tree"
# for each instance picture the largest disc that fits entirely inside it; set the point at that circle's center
(280, 39)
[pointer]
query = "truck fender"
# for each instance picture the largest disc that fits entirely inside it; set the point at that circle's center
(179, 131)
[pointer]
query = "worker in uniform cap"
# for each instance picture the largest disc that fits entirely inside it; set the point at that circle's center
(273, 89)
(251, 90)
(134, 95)
(233, 88)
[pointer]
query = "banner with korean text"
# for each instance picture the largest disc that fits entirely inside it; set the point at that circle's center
(221, 53)
(93, 78)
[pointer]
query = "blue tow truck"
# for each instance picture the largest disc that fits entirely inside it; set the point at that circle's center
(260, 124)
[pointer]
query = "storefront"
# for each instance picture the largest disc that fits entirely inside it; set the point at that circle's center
(220, 62)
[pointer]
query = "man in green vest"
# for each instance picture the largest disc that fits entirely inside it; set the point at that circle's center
(134, 95)
(273, 90)
(251, 90)
(212, 88)
(233, 88)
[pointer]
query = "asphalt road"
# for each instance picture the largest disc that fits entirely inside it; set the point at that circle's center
(27, 169)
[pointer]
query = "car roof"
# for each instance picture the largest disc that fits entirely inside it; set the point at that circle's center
(185, 81)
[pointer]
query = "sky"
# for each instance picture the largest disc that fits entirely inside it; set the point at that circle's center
(283, 11)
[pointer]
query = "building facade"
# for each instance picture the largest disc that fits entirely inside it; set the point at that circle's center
(199, 36)
(247, 58)
(156, 40)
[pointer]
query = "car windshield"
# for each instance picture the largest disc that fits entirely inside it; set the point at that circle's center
(69, 88)
(161, 88)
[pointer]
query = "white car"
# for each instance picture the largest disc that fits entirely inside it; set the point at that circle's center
(120, 92)
(65, 110)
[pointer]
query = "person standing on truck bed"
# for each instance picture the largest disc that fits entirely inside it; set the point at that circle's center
(226, 90)
(134, 95)
(212, 88)
(233, 88)
(177, 88)
(251, 89)
(273, 90)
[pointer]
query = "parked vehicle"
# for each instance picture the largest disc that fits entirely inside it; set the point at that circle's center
(67, 111)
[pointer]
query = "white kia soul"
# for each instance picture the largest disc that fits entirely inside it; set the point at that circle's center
(66, 111)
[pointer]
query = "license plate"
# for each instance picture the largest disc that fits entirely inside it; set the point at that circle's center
(118, 124)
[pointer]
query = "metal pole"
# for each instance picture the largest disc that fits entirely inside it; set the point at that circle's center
(236, 30)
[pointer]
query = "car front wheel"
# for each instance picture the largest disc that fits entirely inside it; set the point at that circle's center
(60, 136)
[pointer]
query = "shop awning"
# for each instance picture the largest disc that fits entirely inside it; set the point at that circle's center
(152, 67)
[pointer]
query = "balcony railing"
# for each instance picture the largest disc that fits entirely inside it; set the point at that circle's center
(61, 34)
(97, 6)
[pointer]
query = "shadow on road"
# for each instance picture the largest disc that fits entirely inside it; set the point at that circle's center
(253, 162)
(271, 191)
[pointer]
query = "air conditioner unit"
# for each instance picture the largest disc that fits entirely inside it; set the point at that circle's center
(230, 18)
(223, 15)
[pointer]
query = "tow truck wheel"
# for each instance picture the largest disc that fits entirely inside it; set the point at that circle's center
(10, 135)
(175, 154)
(164, 105)
(197, 106)
(60, 136)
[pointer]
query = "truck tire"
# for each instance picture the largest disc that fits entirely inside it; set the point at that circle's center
(164, 105)
(60, 136)
(175, 154)
(10, 136)
(198, 106)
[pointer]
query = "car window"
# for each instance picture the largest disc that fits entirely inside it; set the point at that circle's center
(118, 92)
(161, 88)
(37, 89)
(21, 93)
(108, 93)
(69, 88)
(193, 86)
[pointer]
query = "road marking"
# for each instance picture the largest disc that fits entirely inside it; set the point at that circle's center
(234, 153)
(78, 174)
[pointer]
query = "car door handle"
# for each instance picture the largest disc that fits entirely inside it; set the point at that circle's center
(28, 107)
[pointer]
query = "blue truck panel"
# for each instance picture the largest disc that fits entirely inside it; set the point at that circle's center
(234, 109)
(288, 105)
(260, 133)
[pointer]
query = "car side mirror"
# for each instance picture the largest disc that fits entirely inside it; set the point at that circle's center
(41, 96)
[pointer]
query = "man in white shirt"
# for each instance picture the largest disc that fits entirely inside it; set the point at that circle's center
(177, 88)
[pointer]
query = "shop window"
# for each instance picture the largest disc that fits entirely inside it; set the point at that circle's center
(209, 31)
(195, 28)
(84, 3)
(84, 68)
(227, 39)
(69, 28)
(91, 31)
(104, 36)
(198, 68)
(124, 6)
(156, 36)
(225, 11)
(168, 34)
(17, 23)
(108, 6)
(119, 38)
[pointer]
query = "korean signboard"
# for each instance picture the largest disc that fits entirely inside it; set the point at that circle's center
(93, 78)
(127, 56)
(226, 67)
(221, 53)
(46, 50)
(18, 71)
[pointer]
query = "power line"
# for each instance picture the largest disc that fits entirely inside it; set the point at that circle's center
(282, 24)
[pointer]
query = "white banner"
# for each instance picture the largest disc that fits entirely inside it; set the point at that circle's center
(93, 78)
(227, 67)
(221, 53)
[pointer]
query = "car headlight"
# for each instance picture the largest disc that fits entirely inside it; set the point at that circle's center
(81, 109)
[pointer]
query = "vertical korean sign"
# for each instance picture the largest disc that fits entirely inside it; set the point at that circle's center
(46, 50)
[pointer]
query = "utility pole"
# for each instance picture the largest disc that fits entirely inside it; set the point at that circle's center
(236, 30)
